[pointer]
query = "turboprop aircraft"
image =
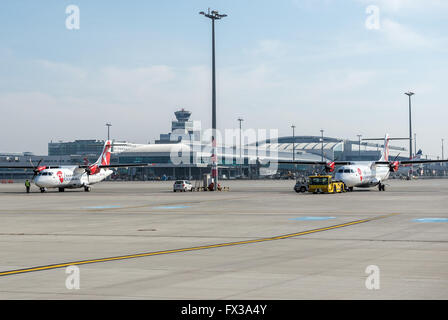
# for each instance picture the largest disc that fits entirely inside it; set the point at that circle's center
(75, 176)
(365, 174)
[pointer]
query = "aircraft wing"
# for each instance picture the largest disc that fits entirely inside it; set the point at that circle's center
(412, 162)
(313, 163)
(16, 167)
(28, 167)
(118, 165)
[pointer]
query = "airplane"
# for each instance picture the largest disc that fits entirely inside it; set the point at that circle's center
(74, 176)
(365, 174)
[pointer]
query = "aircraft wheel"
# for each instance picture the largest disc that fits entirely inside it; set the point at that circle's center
(350, 189)
(42, 190)
(61, 189)
(87, 189)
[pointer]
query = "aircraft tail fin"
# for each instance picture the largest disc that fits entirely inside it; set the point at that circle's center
(385, 152)
(104, 158)
(418, 155)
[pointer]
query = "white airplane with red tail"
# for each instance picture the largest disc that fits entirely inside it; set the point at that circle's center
(365, 174)
(75, 176)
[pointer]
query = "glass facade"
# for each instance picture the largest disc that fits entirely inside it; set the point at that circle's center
(75, 147)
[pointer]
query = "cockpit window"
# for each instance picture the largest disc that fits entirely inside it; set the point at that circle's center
(340, 170)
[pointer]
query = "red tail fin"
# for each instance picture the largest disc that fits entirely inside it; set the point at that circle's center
(104, 158)
(385, 153)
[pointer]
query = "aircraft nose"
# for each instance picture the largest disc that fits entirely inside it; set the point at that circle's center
(39, 181)
(36, 180)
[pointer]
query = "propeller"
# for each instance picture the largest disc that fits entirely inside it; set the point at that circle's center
(393, 165)
(88, 172)
(36, 169)
(92, 169)
(87, 169)
(329, 166)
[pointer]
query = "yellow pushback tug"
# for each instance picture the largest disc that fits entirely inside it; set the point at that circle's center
(325, 184)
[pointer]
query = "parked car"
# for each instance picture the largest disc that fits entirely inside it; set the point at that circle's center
(301, 186)
(182, 185)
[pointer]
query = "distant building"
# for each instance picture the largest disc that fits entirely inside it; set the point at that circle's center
(181, 153)
(86, 147)
(332, 148)
(77, 147)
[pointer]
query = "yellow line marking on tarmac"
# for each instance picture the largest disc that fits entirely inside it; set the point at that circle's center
(147, 254)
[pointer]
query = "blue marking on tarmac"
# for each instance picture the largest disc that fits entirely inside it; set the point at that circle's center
(102, 207)
(431, 220)
(313, 218)
(172, 207)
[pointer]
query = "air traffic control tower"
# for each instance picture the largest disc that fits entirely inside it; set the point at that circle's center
(181, 128)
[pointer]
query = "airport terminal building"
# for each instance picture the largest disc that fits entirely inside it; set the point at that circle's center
(182, 154)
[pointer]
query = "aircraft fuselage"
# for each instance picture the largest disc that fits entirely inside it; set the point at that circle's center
(362, 175)
(69, 177)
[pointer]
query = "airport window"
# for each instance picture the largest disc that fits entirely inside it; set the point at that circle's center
(155, 159)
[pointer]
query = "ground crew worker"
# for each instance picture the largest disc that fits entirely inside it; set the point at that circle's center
(27, 186)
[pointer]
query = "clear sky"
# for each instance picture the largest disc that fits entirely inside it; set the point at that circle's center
(312, 63)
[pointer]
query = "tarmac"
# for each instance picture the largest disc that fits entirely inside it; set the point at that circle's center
(260, 240)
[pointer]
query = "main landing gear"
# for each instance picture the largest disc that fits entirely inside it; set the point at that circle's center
(43, 190)
(381, 187)
(87, 189)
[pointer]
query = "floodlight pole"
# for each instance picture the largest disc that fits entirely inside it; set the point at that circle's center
(108, 130)
(443, 156)
(213, 15)
(359, 146)
(293, 143)
(410, 94)
(322, 151)
(241, 159)
(415, 144)
(294, 148)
